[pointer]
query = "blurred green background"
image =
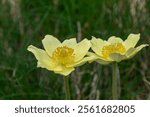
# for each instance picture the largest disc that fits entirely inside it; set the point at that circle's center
(25, 22)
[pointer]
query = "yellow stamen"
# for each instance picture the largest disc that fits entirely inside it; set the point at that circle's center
(113, 48)
(63, 55)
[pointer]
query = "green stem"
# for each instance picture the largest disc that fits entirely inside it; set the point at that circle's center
(67, 90)
(115, 81)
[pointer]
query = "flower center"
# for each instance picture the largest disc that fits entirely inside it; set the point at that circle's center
(63, 55)
(113, 48)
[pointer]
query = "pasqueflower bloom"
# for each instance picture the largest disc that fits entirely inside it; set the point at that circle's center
(62, 58)
(115, 49)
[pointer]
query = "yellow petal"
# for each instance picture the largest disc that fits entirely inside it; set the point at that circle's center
(79, 63)
(81, 49)
(97, 45)
(50, 43)
(65, 71)
(133, 51)
(70, 42)
(93, 57)
(44, 60)
(117, 57)
(114, 39)
(130, 51)
(58, 67)
(131, 41)
(100, 61)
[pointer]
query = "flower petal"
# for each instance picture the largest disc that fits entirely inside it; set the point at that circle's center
(58, 67)
(79, 63)
(65, 71)
(131, 41)
(114, 39)
(50, 43)
(44, 60)
(133, 51)
(70, 42)
(81, 49)
(93, 57)
(117, 57)
(130, 51)
(97, 45)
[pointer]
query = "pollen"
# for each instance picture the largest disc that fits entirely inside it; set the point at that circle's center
(63, 55)
(113, 48)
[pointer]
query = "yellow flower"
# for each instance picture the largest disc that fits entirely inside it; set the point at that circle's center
(61, 57)
(115, 49)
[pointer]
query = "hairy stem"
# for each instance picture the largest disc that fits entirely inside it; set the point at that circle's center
(115, 81)
(67, 90)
